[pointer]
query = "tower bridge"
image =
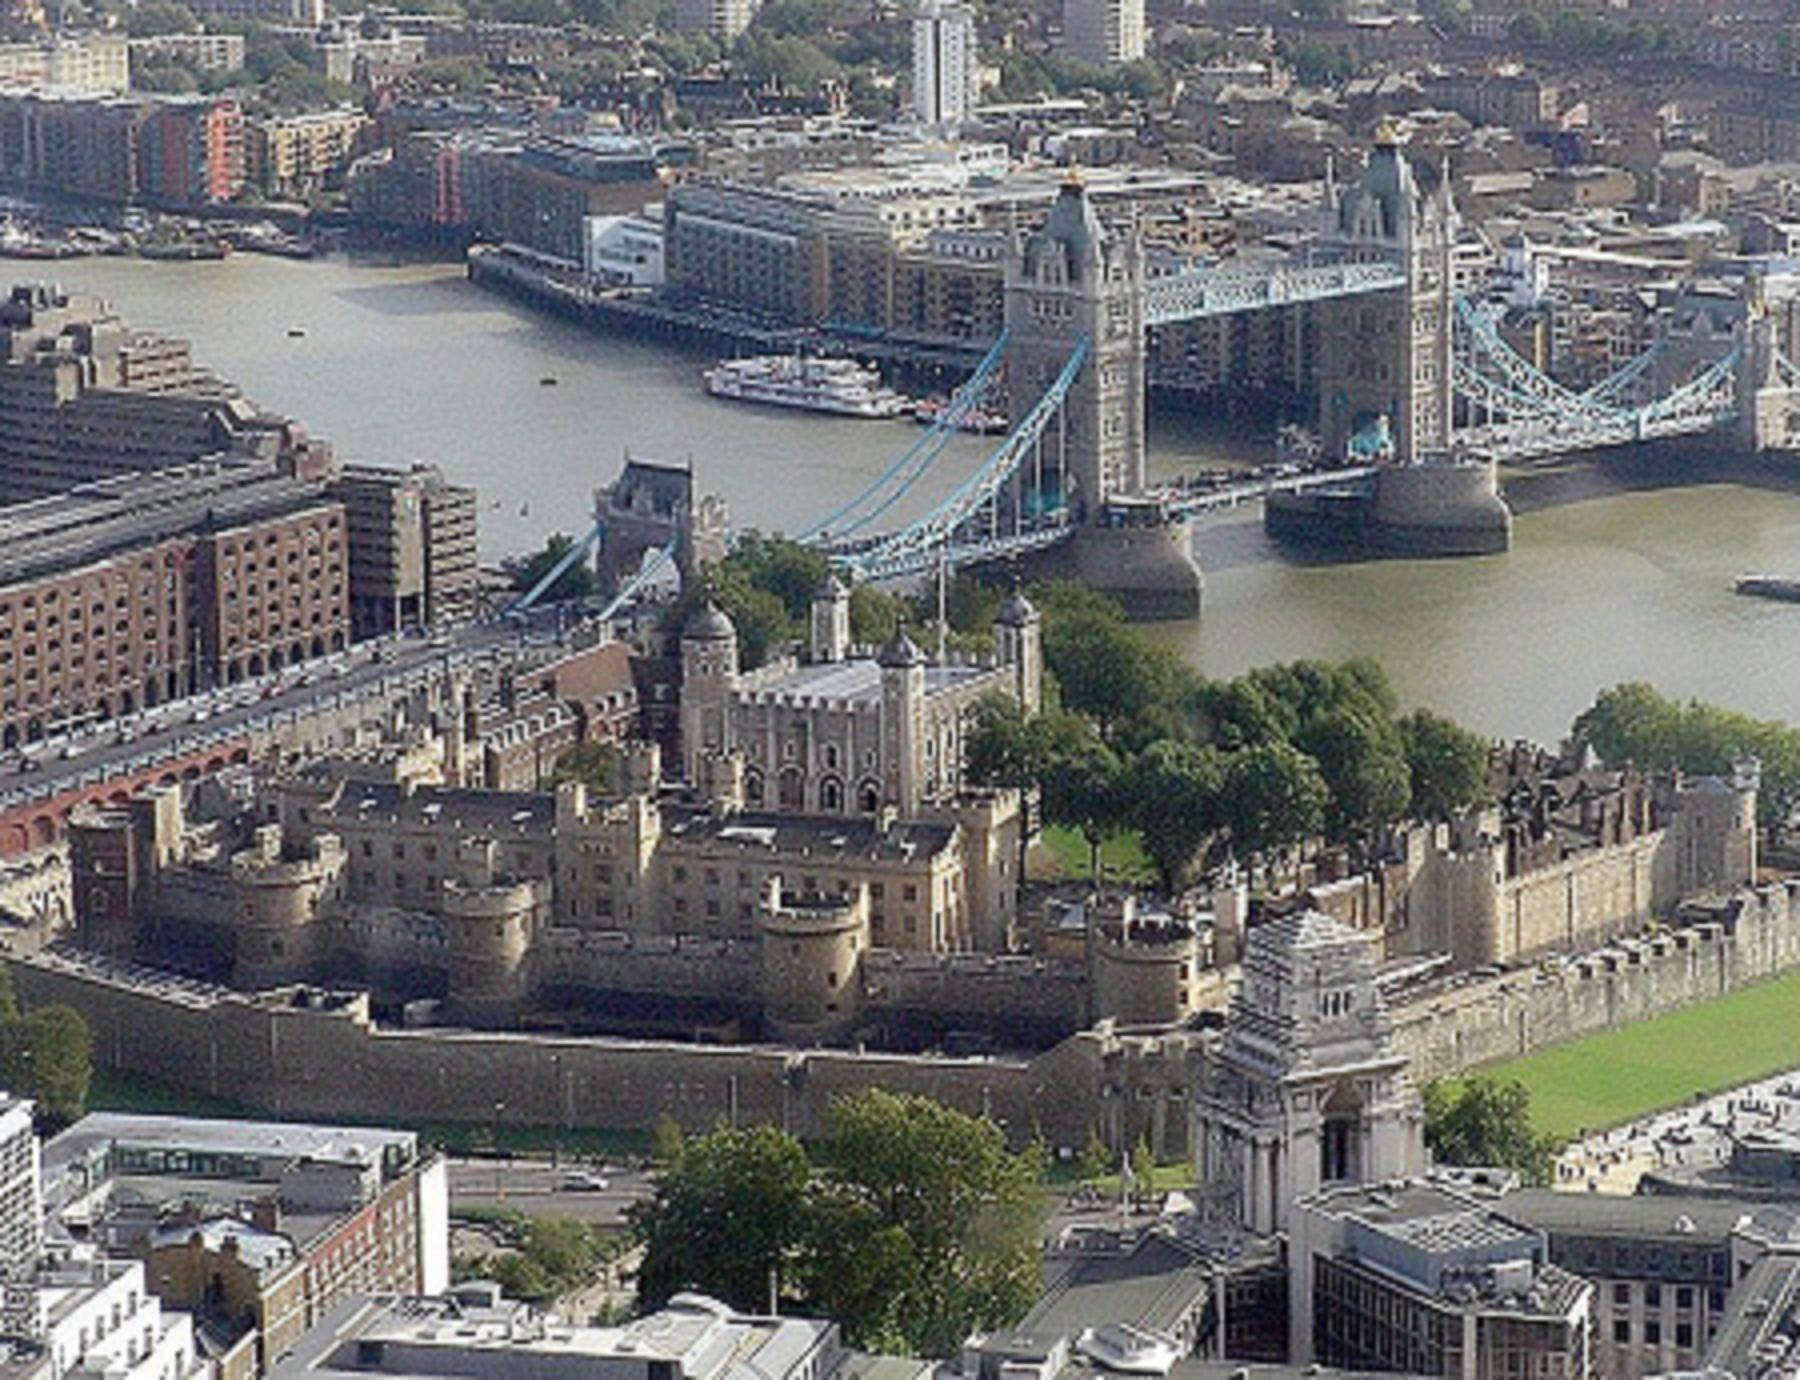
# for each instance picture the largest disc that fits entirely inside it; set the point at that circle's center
(1419, 399)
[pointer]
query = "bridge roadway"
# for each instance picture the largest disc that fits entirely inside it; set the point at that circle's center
(123, 747)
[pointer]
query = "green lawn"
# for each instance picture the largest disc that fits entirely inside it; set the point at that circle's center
(1121, 855)
(1623, 1074)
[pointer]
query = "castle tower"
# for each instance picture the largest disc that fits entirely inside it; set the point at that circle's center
(1308, 1090)
(813, 947)
(830, 619)
(1384, 359)
(1067, 282)
(709, 675)
(1019, 643)
(492, 920)
(902, 722)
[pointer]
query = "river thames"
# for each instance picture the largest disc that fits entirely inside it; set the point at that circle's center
(404, 363)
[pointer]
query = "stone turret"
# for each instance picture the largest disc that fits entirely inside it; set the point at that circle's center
(492, 920)
(902, 716)
(1143, 969)
(813, 948)
(830, 619)
(284, 894)
(709, 677)
(1019, 643)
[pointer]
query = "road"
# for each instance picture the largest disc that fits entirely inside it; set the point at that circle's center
(91, 756)
(534, 1187)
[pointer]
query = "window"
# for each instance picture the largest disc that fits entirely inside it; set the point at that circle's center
(1652, 1332)
(1622, 1331)
(1684, 1335)
(1653, 1296)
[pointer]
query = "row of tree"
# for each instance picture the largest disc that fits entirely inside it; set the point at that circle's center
(1634, 723)
(1137, 741)
(911, 1224)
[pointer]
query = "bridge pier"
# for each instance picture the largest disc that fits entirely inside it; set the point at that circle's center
(1144, 559)
(1437, 508)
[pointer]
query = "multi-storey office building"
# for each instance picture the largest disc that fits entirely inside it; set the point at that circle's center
(412, 547)
(1416, 1277)
(261, 1229)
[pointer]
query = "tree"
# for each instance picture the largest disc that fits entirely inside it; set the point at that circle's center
(1082, 789)
(726, 1219)
(594, 765)
(1143, 1168)
(665, 1140)
(1273, 797)
(939, 1194)
(47, 1054)
(1174, 789)
(1096, 1159)
(1447, 765)
(1482, 1121)
(1528, 29)
(1362, 759)
(1106, 669)
(576, 582)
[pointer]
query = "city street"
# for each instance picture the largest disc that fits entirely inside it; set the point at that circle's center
(93, 755)
(536, 1188)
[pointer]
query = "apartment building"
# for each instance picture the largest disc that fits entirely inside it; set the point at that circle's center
(139, 589)
(205, 52)
(295, 155)
(90, 63)
(1104, 32)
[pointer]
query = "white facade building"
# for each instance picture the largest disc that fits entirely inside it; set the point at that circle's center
(624, 249)
(1103, 32)
(99, 1318)
(946, 63)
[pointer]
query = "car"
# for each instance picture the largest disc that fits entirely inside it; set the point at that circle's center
(583, 1181)
(30, 764)
(440, 641)
(339, 671)
(201, 713)
(126, 734)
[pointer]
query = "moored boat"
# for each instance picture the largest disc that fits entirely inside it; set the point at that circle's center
(1783, 587)
(841, 387)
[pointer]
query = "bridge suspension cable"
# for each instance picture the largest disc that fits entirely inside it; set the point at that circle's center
(912, 548)
(916, 460)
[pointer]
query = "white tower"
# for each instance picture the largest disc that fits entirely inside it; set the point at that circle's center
(1308, 1090)
(946, 64)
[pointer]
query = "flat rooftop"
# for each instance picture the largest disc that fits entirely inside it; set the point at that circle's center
(269, 1140)
(125, 512)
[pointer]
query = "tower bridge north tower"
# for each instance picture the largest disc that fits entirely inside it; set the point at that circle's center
(1077, 285)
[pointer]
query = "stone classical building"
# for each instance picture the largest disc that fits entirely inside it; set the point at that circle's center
(845, 733)
(1307, 1089)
